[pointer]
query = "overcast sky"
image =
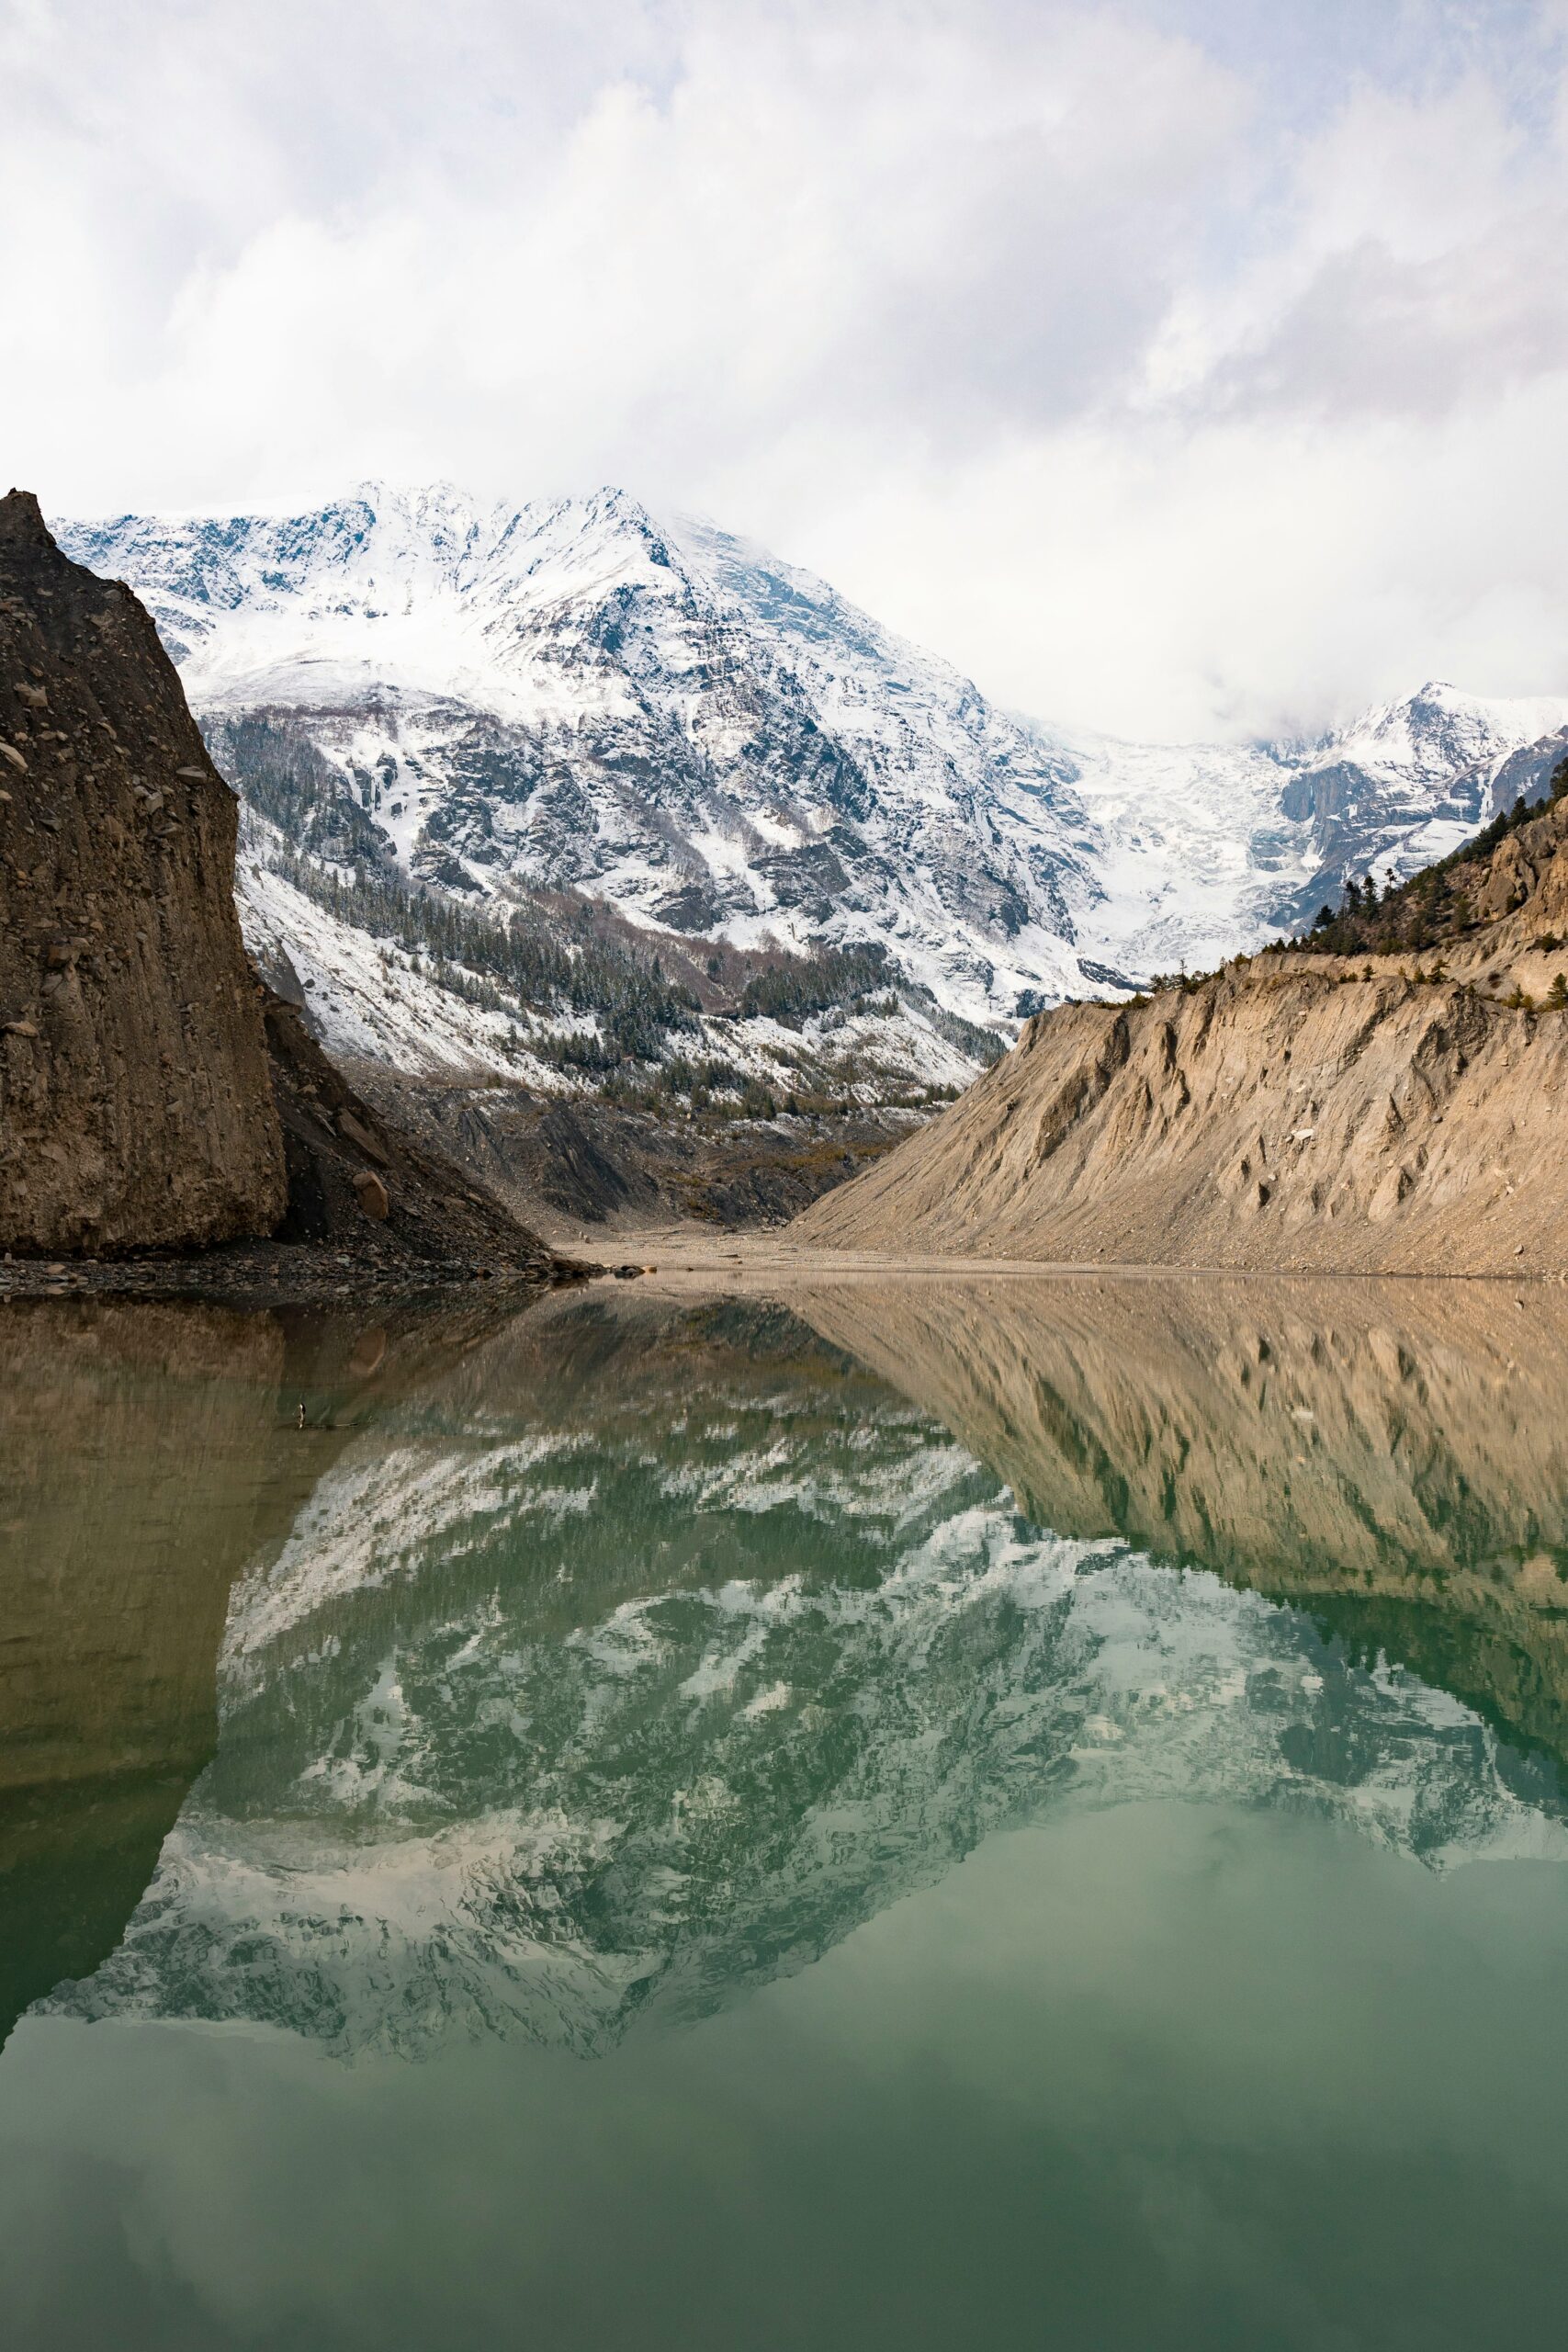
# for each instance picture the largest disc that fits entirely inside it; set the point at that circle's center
(1178, 368)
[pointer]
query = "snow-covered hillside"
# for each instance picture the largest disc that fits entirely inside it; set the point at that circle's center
(577, 696)
(573, 695)
(1202, 850)
(368, 998)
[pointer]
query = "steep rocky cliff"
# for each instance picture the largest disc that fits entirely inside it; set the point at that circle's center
(153, 1095)
(135, 1106)
(1372, 1111)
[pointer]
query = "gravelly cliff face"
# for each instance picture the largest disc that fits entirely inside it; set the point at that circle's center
(1337, 1113)
(135, 1105)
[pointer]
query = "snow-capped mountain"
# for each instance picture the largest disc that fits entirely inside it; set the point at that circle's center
(574, 694)
(1203, 850)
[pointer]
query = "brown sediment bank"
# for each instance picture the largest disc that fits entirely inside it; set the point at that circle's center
(1363, 1113)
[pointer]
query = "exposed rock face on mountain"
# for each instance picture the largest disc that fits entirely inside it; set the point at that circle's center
(1296, 1111)
(577, 1165)
(135, 1106)
(654, 711)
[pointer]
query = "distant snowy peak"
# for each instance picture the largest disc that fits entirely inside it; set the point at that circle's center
(1439, 725)
(1202, 849)
(574, 692)
(1407, 782)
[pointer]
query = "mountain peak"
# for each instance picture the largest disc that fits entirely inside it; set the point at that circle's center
(414, 498)
(660, 712)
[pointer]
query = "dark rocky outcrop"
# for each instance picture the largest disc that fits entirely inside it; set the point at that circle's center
(154, 1096)
(360, 1183)
(591, 1165)
(135, 1107)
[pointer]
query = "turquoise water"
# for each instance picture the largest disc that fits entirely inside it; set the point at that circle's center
(924, 1819)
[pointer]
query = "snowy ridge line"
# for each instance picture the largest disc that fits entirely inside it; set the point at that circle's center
(576, 695)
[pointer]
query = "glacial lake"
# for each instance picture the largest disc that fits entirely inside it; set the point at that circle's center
(916, 1814)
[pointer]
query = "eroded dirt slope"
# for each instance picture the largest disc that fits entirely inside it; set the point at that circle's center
(1297, 1110)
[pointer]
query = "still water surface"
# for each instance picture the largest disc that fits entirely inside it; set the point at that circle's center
(928, 1817)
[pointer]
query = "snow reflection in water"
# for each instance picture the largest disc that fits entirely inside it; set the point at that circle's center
(640, 1658)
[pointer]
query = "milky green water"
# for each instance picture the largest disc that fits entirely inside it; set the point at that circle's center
(632, 1830)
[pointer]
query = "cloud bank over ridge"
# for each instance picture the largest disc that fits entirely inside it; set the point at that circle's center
(1176, 368)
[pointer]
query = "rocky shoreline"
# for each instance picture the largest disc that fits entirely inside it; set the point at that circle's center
(274, 1272)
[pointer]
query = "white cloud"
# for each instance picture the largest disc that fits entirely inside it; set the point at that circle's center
(1171, 368)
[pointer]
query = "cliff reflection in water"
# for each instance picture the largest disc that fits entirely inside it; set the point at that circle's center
(1393, 1454)
(147, 1454)
(635, 1652)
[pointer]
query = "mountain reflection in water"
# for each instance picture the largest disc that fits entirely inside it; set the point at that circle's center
(609, 1662)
